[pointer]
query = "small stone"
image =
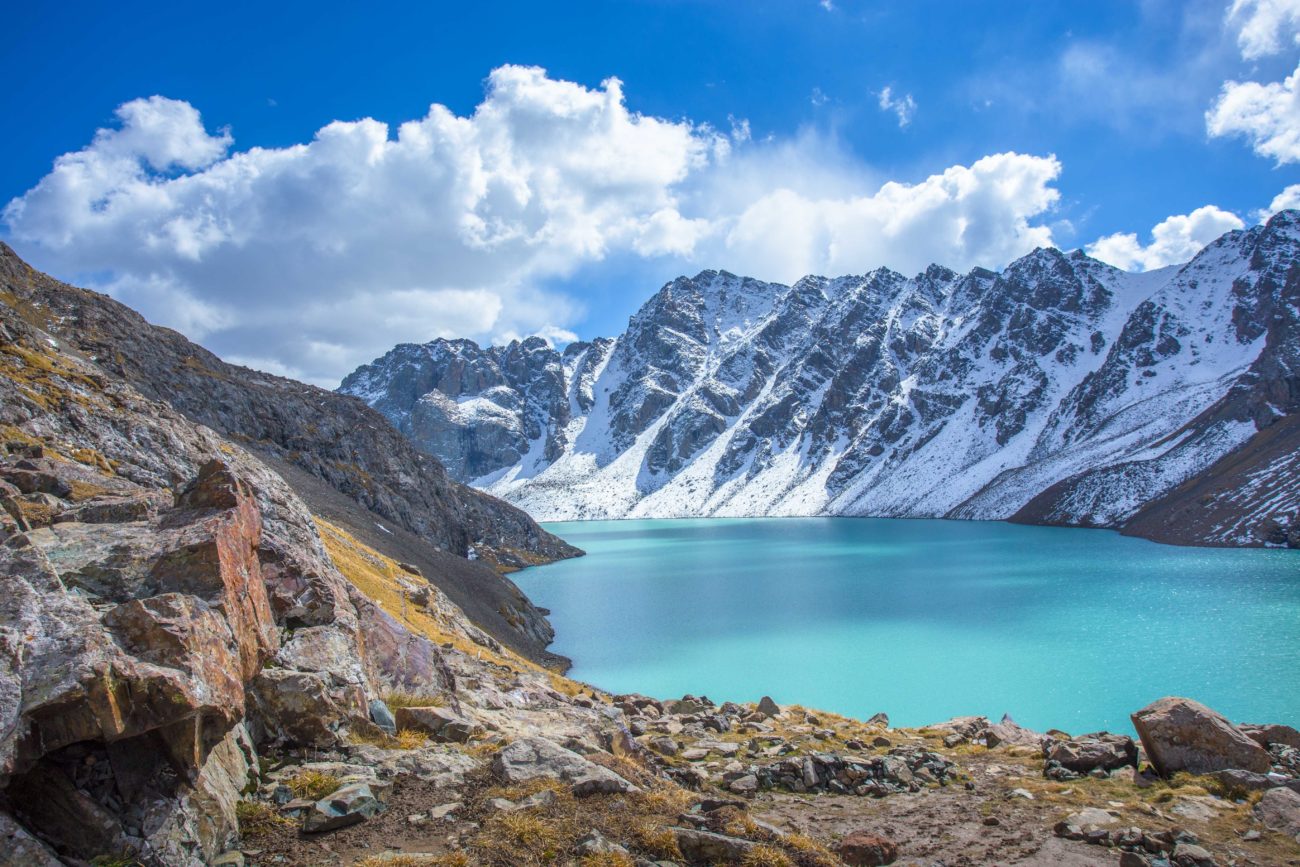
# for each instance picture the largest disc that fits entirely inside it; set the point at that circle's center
(992, 821)
(1191, 855)
(596, 843)
(1132, 859)
(443, 810)
(381, 716)
(1067, 831)
(746, 785)
(881, 741)
(349, 805)
(767, 706)
(863, 849)
(1021, 793)
(537, 800)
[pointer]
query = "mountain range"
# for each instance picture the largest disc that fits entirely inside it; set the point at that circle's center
(1059, 391)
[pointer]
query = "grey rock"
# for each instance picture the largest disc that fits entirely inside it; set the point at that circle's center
(350, 805)
(1086, 753)
(534, 757)
(1191, 855)
(595, 843)
(1279, 810)
(706, 847)
(381, 716)
(768, 707)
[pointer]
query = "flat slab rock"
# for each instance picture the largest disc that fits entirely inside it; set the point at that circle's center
(534, 757)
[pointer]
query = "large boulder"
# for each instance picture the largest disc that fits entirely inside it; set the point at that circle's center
(534, 757)
(1085, 753)
(1180, 734)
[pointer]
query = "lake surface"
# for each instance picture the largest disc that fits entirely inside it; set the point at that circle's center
(925, 619)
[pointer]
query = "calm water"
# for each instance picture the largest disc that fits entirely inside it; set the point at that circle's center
(925, 620)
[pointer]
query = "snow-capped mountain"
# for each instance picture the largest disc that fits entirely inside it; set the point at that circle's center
(1061, 390)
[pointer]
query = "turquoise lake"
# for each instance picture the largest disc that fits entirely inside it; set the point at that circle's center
(925, 619)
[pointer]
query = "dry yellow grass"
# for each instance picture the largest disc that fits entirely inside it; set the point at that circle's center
(766, 856)
(405, 739)
(455, 859)
(382, 580)
(256, 818)
(414, 699)
(312, 785)
(607, 859)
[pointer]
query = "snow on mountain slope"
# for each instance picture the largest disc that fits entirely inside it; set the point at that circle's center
(1061, 390)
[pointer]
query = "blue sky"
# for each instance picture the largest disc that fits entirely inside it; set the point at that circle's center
(753, 136)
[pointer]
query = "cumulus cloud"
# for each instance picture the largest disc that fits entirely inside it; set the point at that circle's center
(1288, 198)
(333, 249)
(1263, 25)
(903, 107)
(1174, 240)
(310, 259)
(1267, 114)
(965, 216)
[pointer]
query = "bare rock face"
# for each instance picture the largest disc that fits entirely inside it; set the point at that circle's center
(1179, 734)
(166, 606)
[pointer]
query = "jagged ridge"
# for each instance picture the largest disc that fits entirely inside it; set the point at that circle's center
(1061, 390)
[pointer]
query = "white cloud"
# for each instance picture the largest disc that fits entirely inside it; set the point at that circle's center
(1268, 115)
(1263, 24)
(313, 258)
(1174, 240)
(1288, 198)
(965, 216)
(367, 235)
(903, 106)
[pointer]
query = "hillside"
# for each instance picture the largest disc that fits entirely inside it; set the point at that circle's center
(341, 457)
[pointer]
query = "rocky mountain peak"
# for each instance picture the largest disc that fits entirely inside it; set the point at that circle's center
(968, 395)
